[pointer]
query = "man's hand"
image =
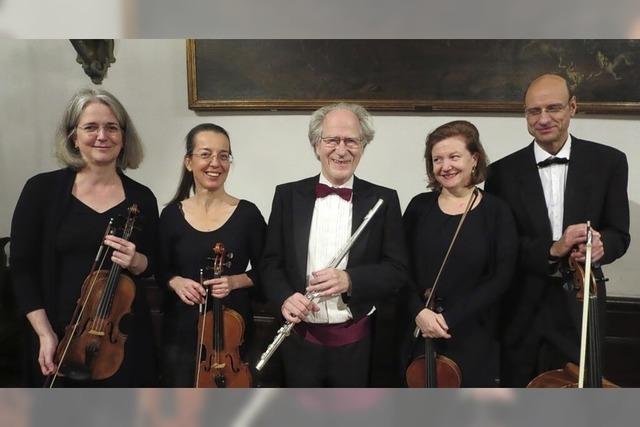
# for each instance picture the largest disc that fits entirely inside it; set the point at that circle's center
(329, 282)
(573, 242)
(296, 307)
(597, 249)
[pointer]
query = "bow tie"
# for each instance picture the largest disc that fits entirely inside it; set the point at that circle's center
(553, 161)
(323, 190)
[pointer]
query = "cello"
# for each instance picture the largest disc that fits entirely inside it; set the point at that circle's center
(220, 334)
(93, 344)
(589, 372)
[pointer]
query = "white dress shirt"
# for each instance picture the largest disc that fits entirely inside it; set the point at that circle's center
(330, 229)
(554, 180)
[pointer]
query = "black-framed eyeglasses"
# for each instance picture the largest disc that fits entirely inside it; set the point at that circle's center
(334, 141)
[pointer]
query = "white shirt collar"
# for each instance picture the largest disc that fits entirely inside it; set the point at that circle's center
(348, 184)
(541, 154)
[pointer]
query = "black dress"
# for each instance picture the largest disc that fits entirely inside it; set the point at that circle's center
(478, 271)
(55, 238)
(183, 252)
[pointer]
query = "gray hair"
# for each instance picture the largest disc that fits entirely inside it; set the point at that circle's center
(318, 116)
(131, 154)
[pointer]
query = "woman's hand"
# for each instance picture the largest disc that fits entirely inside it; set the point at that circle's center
(48, 346)
(189, 291)
(432, 324)
(48, 340)
(125, 255)
(221, 287)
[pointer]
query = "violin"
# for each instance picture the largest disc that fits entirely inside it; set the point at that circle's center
(433, 370)
(220, 334)
(589, 372)
(93, 344)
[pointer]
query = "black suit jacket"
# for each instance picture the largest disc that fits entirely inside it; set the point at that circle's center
(377, 261)
(596, 190)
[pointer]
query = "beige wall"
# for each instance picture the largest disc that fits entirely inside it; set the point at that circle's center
(149, 77)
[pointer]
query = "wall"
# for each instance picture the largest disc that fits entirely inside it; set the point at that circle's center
(149, 77)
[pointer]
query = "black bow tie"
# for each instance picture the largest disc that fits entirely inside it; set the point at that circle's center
(323, 190)
(553, 161)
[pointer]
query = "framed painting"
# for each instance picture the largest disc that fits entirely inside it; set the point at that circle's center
(408, 75)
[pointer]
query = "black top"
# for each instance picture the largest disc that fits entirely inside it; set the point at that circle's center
(183, 252)
(477, 272)
(40, 256)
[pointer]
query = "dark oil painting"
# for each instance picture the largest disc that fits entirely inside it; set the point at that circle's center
(419, 75)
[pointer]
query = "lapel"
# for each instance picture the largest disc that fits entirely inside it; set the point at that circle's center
(363, 200)
(533, 195)
(303, 199)
(576, 190)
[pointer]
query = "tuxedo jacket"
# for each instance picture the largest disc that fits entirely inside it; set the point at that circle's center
(596, 190)
(377, 261)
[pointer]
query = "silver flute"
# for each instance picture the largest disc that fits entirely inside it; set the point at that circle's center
(285, 329)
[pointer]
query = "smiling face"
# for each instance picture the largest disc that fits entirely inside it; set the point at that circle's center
(210, 161)
(550, 129)
(339, 162)
(453, 163)
(98, 135)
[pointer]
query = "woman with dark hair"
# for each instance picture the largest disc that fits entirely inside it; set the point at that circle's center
(481, 262)
(59, 223)
(200, 215)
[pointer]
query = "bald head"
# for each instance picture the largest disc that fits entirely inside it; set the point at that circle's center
(549, 107)
(549, 79)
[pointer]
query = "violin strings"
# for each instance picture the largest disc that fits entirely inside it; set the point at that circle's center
(100, 312)
(113, 280)
(106, 298)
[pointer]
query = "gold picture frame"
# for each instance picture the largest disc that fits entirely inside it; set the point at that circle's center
(479, 76)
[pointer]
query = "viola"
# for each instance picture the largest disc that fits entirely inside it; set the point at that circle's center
(585, 285)
(220, 334)
(93, 344)
(433, 370)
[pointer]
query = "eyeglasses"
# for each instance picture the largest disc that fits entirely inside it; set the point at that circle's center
(334, 141)
(552, 109)
(222, 157)
(94, 128)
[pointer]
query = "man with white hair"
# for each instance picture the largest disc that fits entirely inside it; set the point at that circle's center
(310, 221)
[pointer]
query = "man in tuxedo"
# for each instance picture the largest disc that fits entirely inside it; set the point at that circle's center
(554, 186)
(310, 221)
